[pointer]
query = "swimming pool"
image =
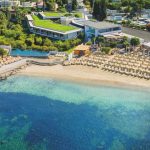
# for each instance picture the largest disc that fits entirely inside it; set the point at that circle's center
(28, 53)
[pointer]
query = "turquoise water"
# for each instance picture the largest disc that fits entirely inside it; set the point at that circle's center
(47, 114)
(28, 53)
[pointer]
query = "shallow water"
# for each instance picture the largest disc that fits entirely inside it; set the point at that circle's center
(46, 114)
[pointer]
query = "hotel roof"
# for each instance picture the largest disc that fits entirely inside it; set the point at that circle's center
(31, 24)
(100, 25)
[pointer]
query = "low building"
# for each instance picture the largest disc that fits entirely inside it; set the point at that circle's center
(115, 15)
(95, 28)
(112, 12)
(82, 50)
(66, 20)
(114, 37)
(146, 13)
(120, 36)
(9, 3)
(49, 30)
(26, 4)
(115, 18)
(74, 25)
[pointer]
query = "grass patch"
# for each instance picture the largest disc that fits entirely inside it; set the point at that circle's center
(51, 25)
(59, 14)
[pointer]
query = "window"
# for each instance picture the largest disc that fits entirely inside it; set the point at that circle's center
(116, 28)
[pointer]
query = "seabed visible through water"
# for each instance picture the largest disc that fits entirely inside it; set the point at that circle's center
(46, 114)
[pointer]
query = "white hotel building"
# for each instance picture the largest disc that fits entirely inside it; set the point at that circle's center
(90, 28)
(54, 34)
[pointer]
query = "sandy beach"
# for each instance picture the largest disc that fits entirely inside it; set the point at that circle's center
(84, 74)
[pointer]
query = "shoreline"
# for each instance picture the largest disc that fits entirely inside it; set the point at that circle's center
(86, 75)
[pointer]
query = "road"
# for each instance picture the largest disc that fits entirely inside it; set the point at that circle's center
(138, 33)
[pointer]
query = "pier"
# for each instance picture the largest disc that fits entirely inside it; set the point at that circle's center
(12, 69)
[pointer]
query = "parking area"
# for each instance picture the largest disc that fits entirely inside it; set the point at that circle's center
(138, 33)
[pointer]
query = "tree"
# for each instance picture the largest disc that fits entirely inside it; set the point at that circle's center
(148, 27)
(50, 4)
(99, 9)
(3, 21)
(74, 4)
(2, 52)
(38, 40)
(47, 42)
(29, 41)
(135, 41)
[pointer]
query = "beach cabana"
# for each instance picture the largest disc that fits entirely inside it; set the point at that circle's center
(82, 50)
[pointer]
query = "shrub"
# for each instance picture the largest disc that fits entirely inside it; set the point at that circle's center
(106, 50)
(113, 44)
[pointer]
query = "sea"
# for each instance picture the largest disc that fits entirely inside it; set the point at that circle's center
(46, 114)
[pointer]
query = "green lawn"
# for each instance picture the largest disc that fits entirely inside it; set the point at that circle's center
(51, 25)
(53, 14)
(59, 14)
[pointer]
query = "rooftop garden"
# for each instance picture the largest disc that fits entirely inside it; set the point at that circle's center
(59, 14)
(51, 25)
(53, 14)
